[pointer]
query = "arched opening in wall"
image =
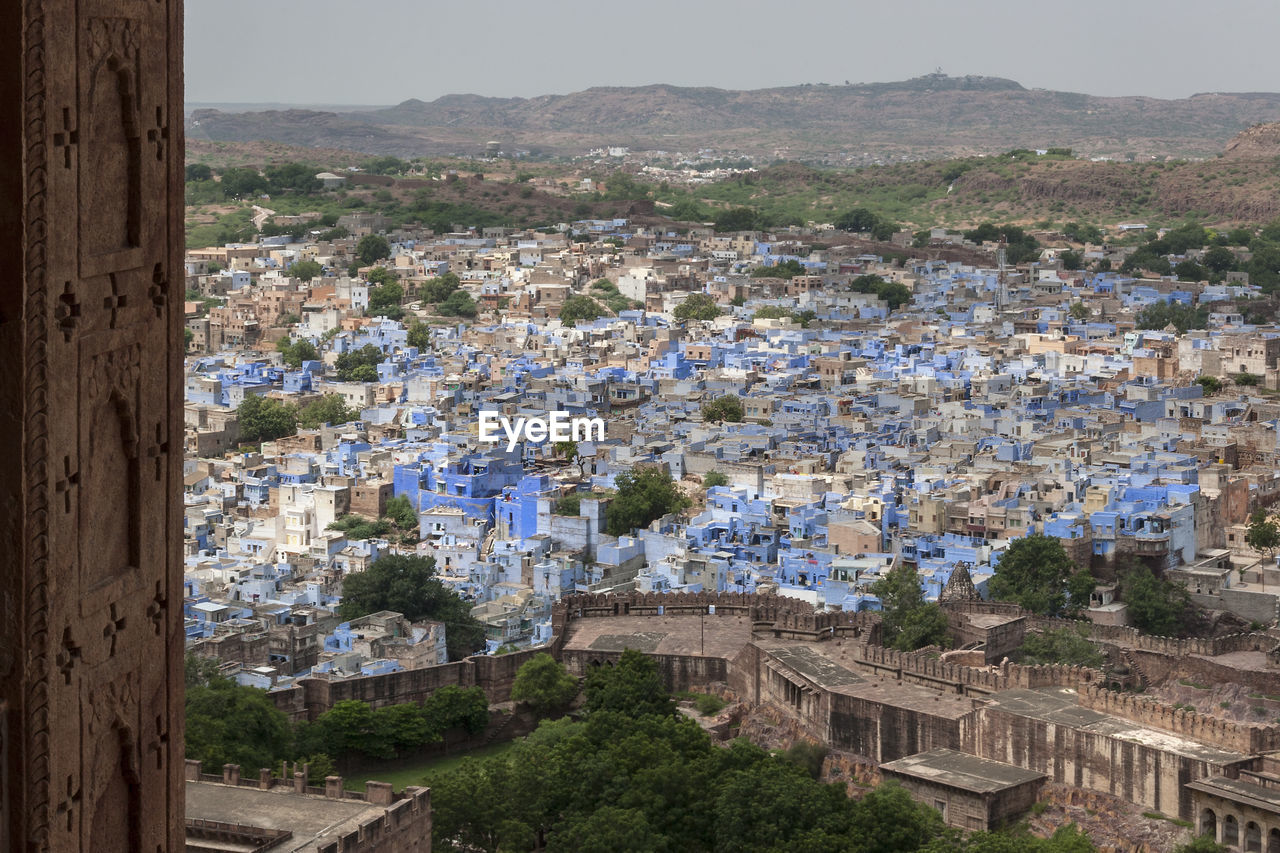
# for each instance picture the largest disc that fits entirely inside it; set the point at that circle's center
(1273, 841)
(1209, 823)
(1252, 838)
(1230, 830)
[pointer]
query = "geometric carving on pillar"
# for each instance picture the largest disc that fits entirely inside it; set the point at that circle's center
(90, 213)
(112, 516)
(111, 185)
(68, 313)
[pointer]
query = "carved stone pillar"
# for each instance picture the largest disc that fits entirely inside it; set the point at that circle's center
(91, 182)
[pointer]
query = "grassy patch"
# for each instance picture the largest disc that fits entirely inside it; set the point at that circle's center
(1187, 682)
(416, 774)
(1186, 824)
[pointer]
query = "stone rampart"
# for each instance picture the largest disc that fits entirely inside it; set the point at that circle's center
(405, 826)
(1237, 736)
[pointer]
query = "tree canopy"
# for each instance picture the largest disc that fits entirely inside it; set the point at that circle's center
(329, 409)
(1156, 605)
(644, 494)
(579, 307)
(231, 724)
(1069, 645)
(296, 352)
(265, 419)
(1263, 533)
(305, 270)
(895, 294)
(372, 248)
(632, 687)
(724, 408)
(697, 306)
(408, 585)
(1036, 573)
(459, 304)
(544, 685)
(909, 622)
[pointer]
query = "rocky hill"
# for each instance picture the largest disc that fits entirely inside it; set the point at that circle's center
(1259, 142)
(931, 116)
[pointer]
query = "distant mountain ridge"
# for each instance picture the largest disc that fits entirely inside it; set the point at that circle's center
(930, 116)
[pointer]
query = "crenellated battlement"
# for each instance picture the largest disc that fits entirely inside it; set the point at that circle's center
(1248, 738)
(410, 817)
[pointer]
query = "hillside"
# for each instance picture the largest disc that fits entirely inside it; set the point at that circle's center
(928, 117)
(1025, 189)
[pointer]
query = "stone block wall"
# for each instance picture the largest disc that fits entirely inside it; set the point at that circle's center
(405, 827)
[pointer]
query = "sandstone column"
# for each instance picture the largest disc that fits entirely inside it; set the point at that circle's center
(91, 182)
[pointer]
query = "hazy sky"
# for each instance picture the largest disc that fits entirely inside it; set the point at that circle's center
(385, 51)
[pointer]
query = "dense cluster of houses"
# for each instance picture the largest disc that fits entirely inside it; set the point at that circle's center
(995, 404)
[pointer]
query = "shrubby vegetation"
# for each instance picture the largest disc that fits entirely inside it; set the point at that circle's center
(408, 585)
(632, 775)
(644, 495)
(1036, 573)
(909, 622)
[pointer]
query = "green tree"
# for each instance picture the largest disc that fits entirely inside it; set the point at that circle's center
(1078, 232)
(632, 687)
(401, 511)
(408, 585)
(329, 409)
(783, 269)
(296, 352)
(1211, 384)
(459, 304)
(1190, 271)
(609, 829)
(1246, 379)
(265, 419)
(1263, 533)
(1220, 259)
(697, 306)
(227, 723)
(1071, 260)
(895, 294)
(439, 288)
(372, 248)
(419, 336)
(1157, 315)
(544, 685)
(569, 504)
(1201, 844)
(909, 622)
(199, 172)
(305, 270)
(579, 307)
(384, 300)
(725, 408)
(348, 364)
(1156, 606)
(1034, 572)
(736, 219)
(1069, 645)
(1079, 311)
(644, 494)
(715, 478)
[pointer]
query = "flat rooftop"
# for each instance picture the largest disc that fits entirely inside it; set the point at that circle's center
(963, 771)
(312, 819)
(831, 667)
(1060, 706)
(1239, 791)
(709, 636)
